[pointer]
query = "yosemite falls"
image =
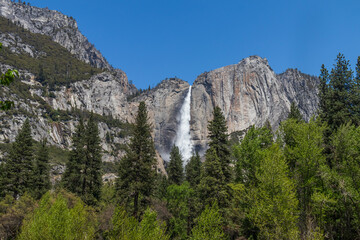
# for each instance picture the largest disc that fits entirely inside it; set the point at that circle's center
(183, 137)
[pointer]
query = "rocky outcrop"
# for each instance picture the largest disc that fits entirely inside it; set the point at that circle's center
(164, 103)
(61, 28)
(249, 93)
(105, 94)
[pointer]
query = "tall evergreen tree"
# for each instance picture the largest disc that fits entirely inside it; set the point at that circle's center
(175, 168)
(193, 170)
(42, 178)
(136, 178)
(356, 94)
(336, 92)
(219, 142)
(19, 169)
(212, 187)
(91, 182)
(323, 93)
(73, 177)
(82, 175)
(295, 112)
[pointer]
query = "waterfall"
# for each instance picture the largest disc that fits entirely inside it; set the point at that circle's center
(183, 137)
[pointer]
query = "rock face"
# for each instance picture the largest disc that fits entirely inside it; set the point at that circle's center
(249, 93)
(61, 28)
(105, 94)
(164, 103)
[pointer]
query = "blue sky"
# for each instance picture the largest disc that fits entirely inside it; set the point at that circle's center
(152, 40)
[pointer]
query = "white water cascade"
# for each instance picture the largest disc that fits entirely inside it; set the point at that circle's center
(183, 137)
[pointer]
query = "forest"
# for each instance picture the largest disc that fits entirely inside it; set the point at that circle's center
(301, 181)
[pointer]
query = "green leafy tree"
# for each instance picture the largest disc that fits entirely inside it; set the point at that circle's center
(54, 219)
(305, 157)
(248, 153)
(274, 205)
(135, 183)
(219, 142)
(42, 170)
(338, 205)
(193, 170)
(175, 169)
(5, 80)
(19, 165)
(180, 204)
(208, 225)
(12, 214)
(129, 228)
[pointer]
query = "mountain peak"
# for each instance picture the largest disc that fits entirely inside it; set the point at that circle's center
(61, 28)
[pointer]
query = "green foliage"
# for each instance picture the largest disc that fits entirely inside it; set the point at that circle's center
(19, 169)
(135, 183)
(73, 177)
(180, 203)
(274, 203)
(208, 225)
(83, 175)
(12, 213)
(91, 172)
(5, 79)
(128, 228)
(42, 179)
(193, 170)
(339, 94)
(295, 112)
(59, 218)
(305, 157)
(212, 187)
(248, 153)
(219, 142)
(338, 212)
(175, 169)
(53, 64)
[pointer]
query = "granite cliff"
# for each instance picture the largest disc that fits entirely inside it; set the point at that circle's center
(248, 92)
(61, 28)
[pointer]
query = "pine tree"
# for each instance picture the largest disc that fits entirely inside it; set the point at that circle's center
(355, 94)
(212, 187)
(82, 175)
(323, 93)
(42, 178)
(295, 112)
(219, 142)
(193, 170)
(73, 178)
(19, 170)
(175, 168)
(91, 181)
(136, 172)
(340, 84)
